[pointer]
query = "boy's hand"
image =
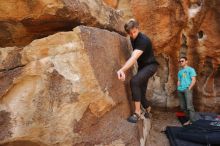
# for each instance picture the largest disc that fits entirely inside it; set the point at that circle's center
(121, 75)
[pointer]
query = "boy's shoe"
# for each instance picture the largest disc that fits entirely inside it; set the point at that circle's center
(134, 118)
(148, 109)
(146, 112)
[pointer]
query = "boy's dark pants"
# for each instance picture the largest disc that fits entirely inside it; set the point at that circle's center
(139, 83)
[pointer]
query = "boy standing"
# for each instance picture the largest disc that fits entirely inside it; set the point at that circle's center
(186, 81)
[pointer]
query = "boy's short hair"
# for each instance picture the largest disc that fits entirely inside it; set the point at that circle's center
(184, 57)
(132, 23)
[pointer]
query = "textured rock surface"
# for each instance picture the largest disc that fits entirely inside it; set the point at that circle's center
(23, 21)
(63, 90)
(112, 3)
(123, 7)
(203, 48)
(160, 120)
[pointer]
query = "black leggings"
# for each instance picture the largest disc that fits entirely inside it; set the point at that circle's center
(139, 83)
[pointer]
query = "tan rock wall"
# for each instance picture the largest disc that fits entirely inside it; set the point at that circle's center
(64, 91)
(24, 21)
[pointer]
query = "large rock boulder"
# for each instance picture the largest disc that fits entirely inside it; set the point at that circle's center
(203, 49)
(23, 21)
(63, 90)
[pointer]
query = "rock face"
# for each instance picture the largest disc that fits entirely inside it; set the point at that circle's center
(112, 3)
(203, 48)
(123, 7)
(23, 21)
(63, 90)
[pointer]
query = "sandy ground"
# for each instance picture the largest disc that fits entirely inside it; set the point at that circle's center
(161, 119)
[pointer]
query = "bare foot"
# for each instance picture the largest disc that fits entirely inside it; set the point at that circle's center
(187, 123)
(148, 109)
